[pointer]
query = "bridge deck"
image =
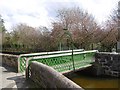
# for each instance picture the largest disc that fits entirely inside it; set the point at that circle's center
(67, 67)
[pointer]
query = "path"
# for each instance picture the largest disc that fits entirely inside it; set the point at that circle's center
(11, 79)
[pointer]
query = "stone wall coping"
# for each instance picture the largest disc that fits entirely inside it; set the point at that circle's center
(113, 53)
(9, 55)
(56, 77)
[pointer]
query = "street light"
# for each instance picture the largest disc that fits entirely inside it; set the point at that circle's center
(71, 44)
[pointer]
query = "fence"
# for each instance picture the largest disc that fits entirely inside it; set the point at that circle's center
(61, 62)
(23, 57)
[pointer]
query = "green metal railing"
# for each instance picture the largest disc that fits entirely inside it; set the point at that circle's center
(24, 57)
(63, 62)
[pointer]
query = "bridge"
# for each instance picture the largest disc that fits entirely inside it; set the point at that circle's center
(61, 61)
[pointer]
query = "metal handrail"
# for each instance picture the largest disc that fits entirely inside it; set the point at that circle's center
(59, 55)
(45, 53)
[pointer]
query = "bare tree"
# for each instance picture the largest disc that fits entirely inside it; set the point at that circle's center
(25, 36)
(109, 38)
(80, 24)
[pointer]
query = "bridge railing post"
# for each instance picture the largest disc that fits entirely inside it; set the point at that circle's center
(73, 58)
(27, 73)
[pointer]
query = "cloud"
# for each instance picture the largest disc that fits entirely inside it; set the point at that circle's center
(24, 11)
(42, 12)
(101, 9)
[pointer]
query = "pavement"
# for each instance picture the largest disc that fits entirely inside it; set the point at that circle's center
(11, 79)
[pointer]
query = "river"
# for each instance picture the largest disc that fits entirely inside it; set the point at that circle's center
(86, 79)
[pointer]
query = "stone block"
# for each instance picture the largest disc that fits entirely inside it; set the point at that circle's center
(109, 61)
(107, 72)
(10, 60)
(115, 73)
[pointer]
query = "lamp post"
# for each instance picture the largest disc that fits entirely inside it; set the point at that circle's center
(69, 34)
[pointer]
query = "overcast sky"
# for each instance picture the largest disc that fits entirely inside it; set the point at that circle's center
(42, 12)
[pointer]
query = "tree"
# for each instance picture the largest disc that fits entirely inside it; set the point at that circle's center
(79, 23)
(24, 35)
(2, 27)
(44, 42)
(109, 39)
(27, 38)
(2, 32)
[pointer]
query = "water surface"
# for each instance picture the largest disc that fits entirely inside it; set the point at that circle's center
(86, 79)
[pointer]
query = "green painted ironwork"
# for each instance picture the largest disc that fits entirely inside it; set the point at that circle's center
(23, 57)
(63, 62)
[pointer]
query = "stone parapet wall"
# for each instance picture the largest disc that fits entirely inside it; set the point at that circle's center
(108, 64)
(10, 60)
(46, 77)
